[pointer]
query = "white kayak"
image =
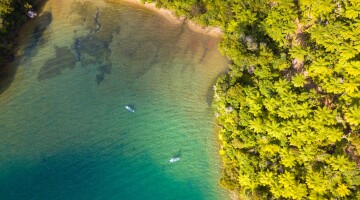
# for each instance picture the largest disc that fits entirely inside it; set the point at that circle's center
(174, 159)
(130, 108)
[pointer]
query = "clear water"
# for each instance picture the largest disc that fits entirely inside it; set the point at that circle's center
(64, 129)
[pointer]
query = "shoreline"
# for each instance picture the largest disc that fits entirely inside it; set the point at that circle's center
(172, 18)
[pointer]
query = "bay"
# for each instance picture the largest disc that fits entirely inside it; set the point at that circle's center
(64, 129)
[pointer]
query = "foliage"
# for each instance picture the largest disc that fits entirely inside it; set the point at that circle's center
(289, 107)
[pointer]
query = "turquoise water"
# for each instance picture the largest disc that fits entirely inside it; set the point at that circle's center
(64, 129)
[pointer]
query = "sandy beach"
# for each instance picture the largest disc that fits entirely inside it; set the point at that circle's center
(170, 16)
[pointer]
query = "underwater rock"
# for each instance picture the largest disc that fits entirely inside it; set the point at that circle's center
(99, 78)
(105, 68)
(93, 48)
(77, 48)
(53, 67)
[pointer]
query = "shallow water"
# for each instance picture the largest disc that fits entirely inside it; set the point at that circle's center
(64, 129)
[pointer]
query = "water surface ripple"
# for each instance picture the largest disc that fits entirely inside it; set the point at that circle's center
(64, 129)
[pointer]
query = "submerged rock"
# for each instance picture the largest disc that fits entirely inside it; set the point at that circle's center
(53, 67)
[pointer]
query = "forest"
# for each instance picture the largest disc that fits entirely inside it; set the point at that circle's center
(289, 106)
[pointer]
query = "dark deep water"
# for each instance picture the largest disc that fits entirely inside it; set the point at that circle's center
(64, 129)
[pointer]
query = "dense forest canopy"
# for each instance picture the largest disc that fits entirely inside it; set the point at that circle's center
(289, 107)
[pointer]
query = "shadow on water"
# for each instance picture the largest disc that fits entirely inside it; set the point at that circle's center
(210, 91)
(36, 39)
(7, 74)
(177, 154)
(8, 71)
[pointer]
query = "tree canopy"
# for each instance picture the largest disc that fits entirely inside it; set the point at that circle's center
(289, 107)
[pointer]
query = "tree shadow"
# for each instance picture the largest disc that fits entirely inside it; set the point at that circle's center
(177, 154)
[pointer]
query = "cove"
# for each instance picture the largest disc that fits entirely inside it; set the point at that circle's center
(64, 129)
